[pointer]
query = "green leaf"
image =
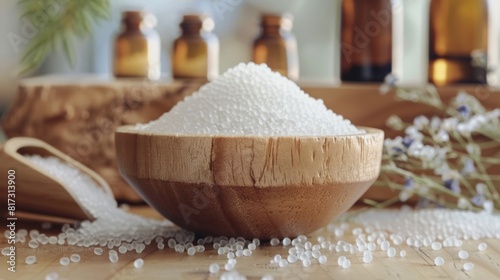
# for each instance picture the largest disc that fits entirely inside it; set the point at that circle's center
(70, 56)
(74, 18)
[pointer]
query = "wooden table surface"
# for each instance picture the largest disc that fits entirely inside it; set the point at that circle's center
(166, 264)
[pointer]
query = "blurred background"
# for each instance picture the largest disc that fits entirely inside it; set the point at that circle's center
(316, 25)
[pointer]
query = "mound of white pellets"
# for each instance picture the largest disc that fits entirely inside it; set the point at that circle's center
(375, 234)
(250, 99)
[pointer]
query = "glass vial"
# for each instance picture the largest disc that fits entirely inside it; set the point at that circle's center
(196, 51)
(458, 41)
(137, 47)
(366, 40)
(276, 46)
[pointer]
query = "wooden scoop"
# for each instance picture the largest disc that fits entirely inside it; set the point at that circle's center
(36, 191)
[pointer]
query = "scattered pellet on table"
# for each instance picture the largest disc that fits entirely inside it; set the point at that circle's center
(52, 276)
(33, 244)
(213, 268)
(228, 267)
(468, 266)
(322, 259)
(138, 263)
(275, 242)
(391, 252)
(346, 264)
(267, 277)
(30, 260)
(482, 246)
(402, 253)
(113, 258)
(282, 263)
(191, 251)
(341, 260)
(367, 258)
(64, 261)
(463, 255)
(384, 245)
(286, 241)
(436, 246)
(438, 261)
(75, 258)
(98, 251)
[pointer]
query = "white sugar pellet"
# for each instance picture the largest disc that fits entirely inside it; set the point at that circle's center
(138, 263)
(436, 246)
(384, 245)
(291, 258)
(402, 253)
(367, 258)
(371, 246)
(306, 263)
(438, 261)
(33, 244)
(214, 268)
(113, 258)
(30, 260)
(52, 276)
(232, 261)
(286, 241)
(463, 254)
(322, 259)
(64, 261)
(275, 242)
(75, 258)
(346, 264)
(277, 258)
(282, 263)
(247, 252)
(98, 251)
(122, 249)
(252, 246)
(482, 246)
(468, 266)
(228, 267)
(391, 252)
(191, 251)
(341, 260)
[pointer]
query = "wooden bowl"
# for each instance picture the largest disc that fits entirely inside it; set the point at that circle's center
(248, 186)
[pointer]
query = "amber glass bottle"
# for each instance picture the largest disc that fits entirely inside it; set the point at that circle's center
(458, 30)
(196, 51)
(276, 46)
(366, 40)
(137, 47)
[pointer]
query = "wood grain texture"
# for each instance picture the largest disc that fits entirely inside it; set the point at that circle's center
(166, 264)
(249, 186)
(36, 191)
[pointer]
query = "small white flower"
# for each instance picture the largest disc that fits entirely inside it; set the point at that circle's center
(480, 188)
(464, 129)
(435, 123)
(442, 136)
(421, 122)
(395, 122)
(449, 124)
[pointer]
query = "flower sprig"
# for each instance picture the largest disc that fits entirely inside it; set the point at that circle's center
(450, 161)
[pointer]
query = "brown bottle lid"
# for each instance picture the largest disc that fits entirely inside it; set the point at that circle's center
(285, 20)
(136, 17)
(197, 21)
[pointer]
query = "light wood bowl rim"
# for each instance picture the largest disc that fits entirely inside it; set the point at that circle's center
(130, 129)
